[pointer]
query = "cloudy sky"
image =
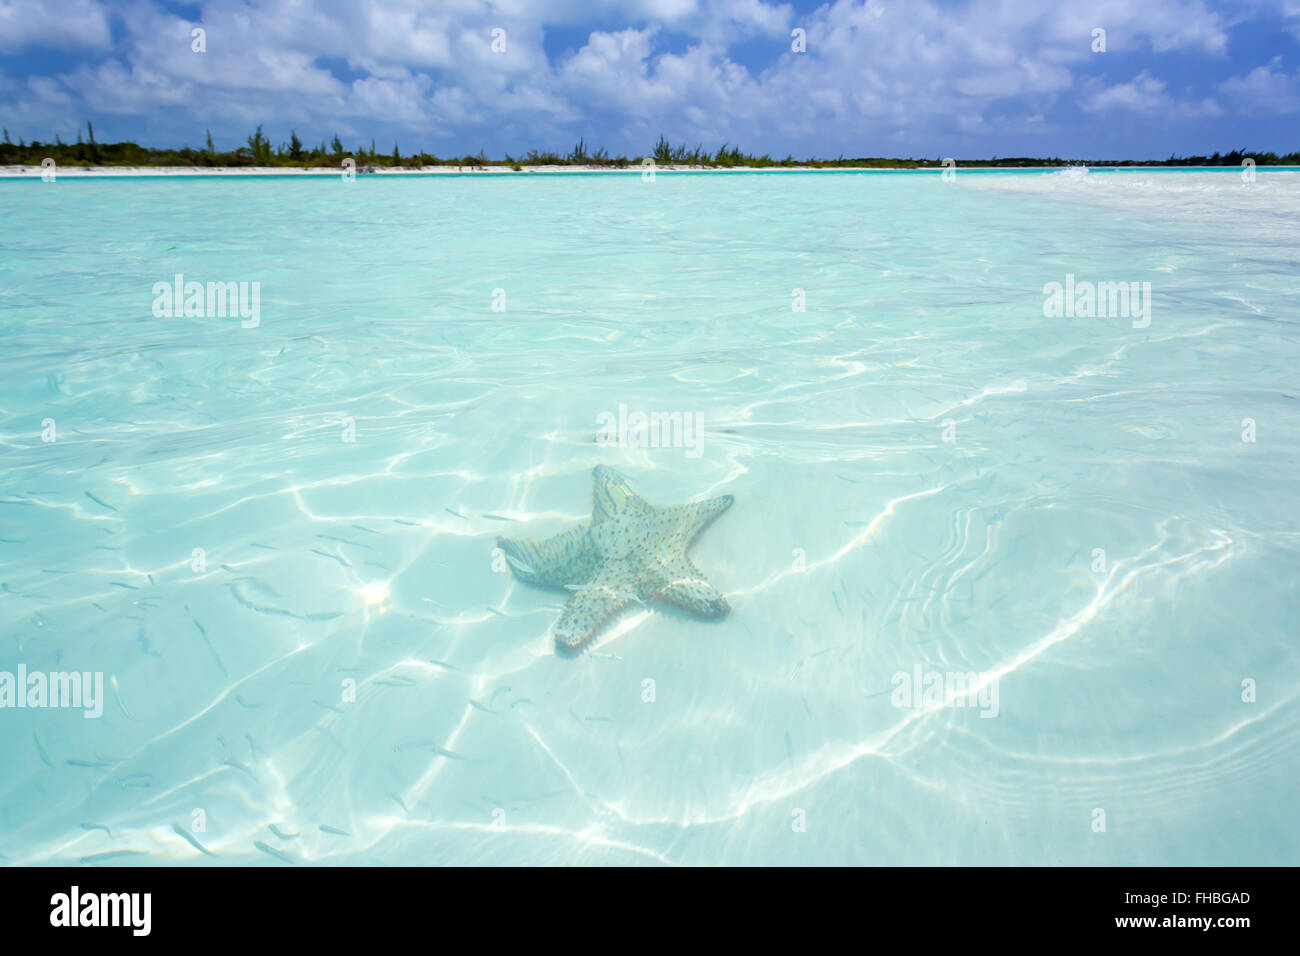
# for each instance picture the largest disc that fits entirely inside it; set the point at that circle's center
(973, 78)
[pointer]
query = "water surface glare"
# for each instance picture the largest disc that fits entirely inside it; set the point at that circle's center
(275, 539)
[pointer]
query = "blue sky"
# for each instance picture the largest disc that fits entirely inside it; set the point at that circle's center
(971, 79)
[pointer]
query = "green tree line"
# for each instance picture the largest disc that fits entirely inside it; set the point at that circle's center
(258, 150)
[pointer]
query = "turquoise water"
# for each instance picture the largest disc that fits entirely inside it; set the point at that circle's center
(931, 476)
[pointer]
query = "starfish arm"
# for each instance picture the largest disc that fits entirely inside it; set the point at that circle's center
(563, 559)
(612, 495)
(593, 604)
(685, 522)
(682, 584)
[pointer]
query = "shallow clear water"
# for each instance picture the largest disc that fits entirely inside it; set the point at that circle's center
(924, 467)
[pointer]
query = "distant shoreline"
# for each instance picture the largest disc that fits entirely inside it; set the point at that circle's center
(84, 172)
(294, 158)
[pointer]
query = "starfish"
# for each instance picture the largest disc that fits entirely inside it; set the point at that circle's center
(629, 551)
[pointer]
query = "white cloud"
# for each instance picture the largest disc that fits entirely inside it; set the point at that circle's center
(72, 24)
(923, 70)
(47, 90)
(1144, 94)
(1265, 89)
(402, 100)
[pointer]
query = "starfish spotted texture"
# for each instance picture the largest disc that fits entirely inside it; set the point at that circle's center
(629, 551)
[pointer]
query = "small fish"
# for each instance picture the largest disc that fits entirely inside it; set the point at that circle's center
(190, 839)
(444, 665)
(448, 753)
(120, 584)
(282, 835)
(272, 851)
(333, 831)
(239, 699)
(203, 633)
(336, 710)
(392, 683)
(136, 781)
(495, 611)
(45, 758)
(117, 695)
(448, 510)
(356, 544)
(101, 607)
(265, 547)
(150, 577)
(398, 800)
(413, 524)
(603, 720)
(370, 530)
(333, 557)
(92, 764)
(497, 517)
(98, 826)
(112, 855)
(480, 706)
(98, 502)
